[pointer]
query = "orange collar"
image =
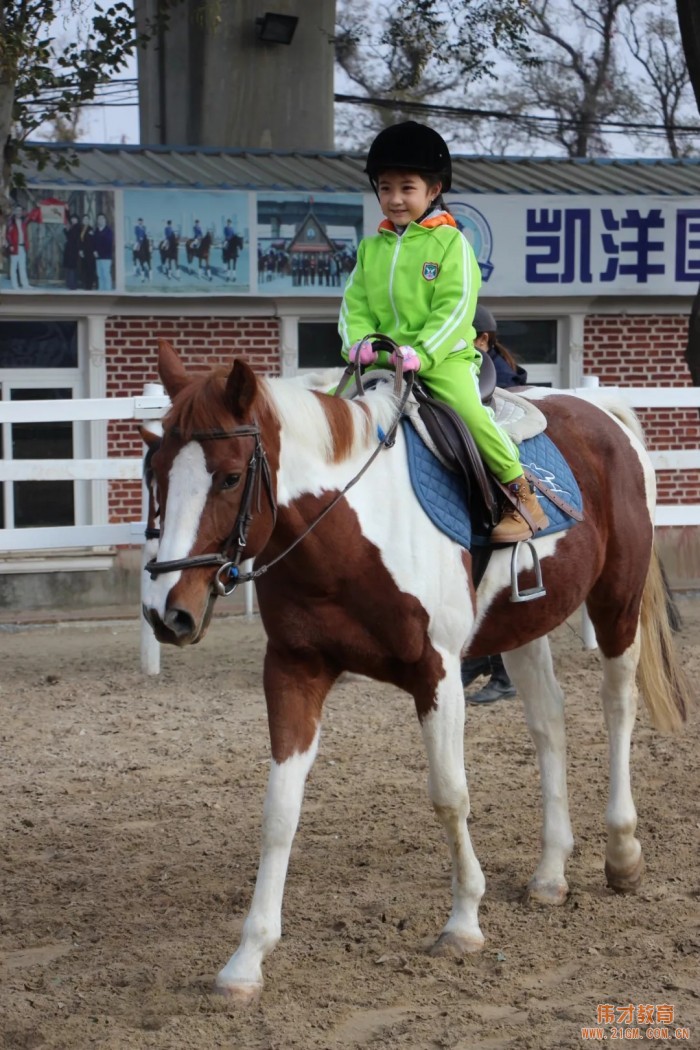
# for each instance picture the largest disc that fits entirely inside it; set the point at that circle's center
(442, 219)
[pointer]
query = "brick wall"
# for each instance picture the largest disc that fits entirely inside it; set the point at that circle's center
(643, 350)
(202, 342)
(647, 350)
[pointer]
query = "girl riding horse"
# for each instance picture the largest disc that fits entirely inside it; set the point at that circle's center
(416, 281)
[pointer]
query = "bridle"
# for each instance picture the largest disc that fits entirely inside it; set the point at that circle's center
(228, 560)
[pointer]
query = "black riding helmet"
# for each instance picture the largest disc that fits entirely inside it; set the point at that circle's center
(412, 147)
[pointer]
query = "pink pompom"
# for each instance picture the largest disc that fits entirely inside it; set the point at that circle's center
(362, 352)
(407, 358)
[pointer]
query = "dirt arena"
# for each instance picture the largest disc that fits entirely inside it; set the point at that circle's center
(131, 829)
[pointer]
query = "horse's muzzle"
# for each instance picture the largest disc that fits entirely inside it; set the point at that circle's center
(177, 627)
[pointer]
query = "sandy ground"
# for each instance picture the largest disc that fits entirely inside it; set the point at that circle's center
(131, 829)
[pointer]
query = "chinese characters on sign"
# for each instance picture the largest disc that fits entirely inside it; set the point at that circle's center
(636, 1021)
(588, 246)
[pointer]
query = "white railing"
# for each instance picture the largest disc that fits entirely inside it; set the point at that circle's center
(152, 404)
(671, 459)
(148, 407)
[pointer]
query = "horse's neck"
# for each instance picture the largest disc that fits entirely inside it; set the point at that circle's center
(324, 441)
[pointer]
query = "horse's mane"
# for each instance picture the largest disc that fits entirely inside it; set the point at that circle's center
(331, 428)
(200, 405)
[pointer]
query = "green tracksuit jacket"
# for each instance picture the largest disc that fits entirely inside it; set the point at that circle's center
(419, 287)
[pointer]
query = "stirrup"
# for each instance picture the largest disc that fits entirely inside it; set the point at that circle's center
(538, 591)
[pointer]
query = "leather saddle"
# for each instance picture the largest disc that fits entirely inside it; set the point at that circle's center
(446, 429)
(455, 446)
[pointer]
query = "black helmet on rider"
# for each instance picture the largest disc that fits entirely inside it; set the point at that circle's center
(410, 146)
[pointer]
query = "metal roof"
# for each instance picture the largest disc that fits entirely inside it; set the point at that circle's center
(179, 167)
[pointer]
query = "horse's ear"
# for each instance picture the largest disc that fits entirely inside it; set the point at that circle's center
(170, 368)
(241, 388)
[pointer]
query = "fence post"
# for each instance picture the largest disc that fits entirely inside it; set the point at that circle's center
(248, 591)
(150, 648)
(587, 633)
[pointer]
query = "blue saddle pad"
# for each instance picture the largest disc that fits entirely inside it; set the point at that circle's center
(443, 496)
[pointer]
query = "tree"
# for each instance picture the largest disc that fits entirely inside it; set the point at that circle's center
(578, 72)
(654, 41)
(578, 77)
(42, 82)
(418, 51)
(689, 25)
(395, 65)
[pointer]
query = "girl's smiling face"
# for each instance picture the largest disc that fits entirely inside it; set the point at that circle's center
(404, 196)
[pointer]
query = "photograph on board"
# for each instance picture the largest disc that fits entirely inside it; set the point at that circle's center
(182, 241)
(307, 245)
(58, 240)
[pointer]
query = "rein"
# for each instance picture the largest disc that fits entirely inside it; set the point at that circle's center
(229, 575)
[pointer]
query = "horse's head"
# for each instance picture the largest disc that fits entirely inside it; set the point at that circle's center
(213, 481)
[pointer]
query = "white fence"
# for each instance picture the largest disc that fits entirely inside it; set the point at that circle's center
(151, 405)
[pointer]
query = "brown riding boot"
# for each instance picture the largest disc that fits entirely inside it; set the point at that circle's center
(513, 527)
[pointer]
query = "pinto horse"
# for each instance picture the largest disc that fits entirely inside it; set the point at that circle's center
(353, 576)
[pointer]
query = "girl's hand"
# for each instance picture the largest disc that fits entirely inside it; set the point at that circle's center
(362, 353)
(407, 358)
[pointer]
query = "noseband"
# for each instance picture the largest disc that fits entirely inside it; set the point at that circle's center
(229, 558)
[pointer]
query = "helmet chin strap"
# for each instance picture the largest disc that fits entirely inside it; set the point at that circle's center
(426, 213)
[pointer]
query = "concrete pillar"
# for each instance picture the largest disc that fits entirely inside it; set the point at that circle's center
(207, 80)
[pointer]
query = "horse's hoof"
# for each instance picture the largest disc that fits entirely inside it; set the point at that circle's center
(549, 893)
(455, 945)
(244, 993)
(625, 881)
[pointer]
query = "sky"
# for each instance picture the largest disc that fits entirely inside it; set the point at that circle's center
(112, 123)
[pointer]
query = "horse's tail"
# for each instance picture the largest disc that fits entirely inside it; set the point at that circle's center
(662, 680)
(623, 412)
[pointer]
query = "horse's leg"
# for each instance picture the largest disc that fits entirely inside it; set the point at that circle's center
(295, 688)
(443, 733)
(530, 668)
(624, 861)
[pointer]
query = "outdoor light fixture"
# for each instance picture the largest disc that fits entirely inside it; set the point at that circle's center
(276, 29)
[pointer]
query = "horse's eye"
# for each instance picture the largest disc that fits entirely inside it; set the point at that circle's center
(230, 481)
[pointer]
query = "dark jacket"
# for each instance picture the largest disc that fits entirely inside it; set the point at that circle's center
(505, 376)
(103, 242)
(71, 248)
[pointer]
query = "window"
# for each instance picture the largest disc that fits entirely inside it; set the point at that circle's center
(533, 343)
(42, 503)
(38, 362)
(319, 344)
(38, 344)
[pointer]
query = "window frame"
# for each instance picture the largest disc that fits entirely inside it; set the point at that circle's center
(88, 379)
